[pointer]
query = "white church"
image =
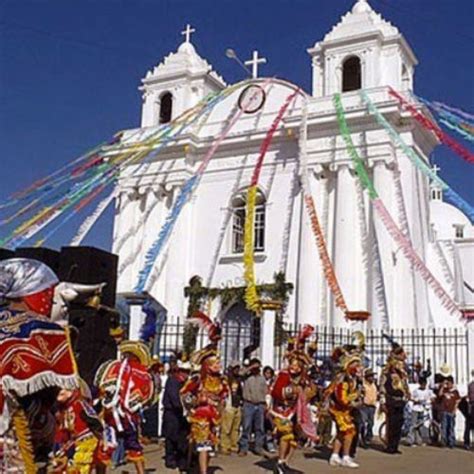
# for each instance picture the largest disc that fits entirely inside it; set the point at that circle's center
(363, 51)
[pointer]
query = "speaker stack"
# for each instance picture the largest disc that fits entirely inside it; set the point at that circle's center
(94, 345)
(91, 326)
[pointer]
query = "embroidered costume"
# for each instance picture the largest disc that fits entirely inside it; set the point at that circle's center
(344, 394)
(291, 393)
(204, 393)
(36, 359)
(125, 387)
(78, 431)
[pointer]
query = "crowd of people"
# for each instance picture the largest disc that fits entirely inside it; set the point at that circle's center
(53, 421)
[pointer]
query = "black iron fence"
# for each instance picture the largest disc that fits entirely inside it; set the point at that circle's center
(438, 350)
(446, 349)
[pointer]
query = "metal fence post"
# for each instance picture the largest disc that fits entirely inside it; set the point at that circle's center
(470, 348)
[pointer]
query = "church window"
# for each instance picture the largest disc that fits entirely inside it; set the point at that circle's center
(238, 222)
(406, 79)
(351, 74)
(459, 231)
(436, 194)
(166, 107)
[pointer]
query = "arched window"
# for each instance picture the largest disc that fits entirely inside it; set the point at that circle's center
(406, 78)
(238, 222)
(351, 74)
(166, 107)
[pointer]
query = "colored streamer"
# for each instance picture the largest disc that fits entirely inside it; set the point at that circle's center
(251, 294)
(155, 249)
(410, 253)
(429, 125)
(399, 237)
(421, 164)
(103, 175)
(326, 263)
(87, 225)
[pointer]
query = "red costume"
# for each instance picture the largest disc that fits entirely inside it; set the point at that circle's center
(78, 433)
(203, 394)
(125, 388)
(36, 359)
(291, 393)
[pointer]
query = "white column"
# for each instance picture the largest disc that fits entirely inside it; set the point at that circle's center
(347, 244)
(397, 269)
(123, 244)
(324, 313)
(267, 338)
(136, 319)
(306, 285)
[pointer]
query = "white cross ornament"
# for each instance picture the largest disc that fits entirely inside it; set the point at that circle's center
(254, 62)
(187, 33)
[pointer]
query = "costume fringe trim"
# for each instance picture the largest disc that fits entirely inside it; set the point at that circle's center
(39, 382)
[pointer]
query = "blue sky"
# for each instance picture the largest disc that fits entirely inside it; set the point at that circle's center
(69, 69)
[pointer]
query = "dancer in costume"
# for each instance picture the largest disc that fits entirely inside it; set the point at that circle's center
(291, 393)
(394, 394)
(344, 394)
(78, 432)
(36, 360)
(125, 387)
(204, 394)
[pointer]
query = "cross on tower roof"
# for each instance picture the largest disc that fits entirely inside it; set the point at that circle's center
(254, 62)
(436, 168)
(187, 33)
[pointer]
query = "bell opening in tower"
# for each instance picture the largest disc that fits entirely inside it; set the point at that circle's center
(166, 107)
(351, 74)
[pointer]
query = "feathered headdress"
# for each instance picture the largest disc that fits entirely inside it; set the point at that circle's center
(202, 321)
(303, 336)
(296, 346)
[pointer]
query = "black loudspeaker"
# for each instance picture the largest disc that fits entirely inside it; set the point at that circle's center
(5, 253)
(91, 338)
(47, 256)
(89, 265)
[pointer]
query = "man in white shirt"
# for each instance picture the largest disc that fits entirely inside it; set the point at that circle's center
(421, 398)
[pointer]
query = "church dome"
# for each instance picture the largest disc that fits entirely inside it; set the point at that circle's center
(446, 219)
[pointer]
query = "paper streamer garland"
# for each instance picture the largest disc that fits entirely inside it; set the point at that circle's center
(105, 173)
(410, 253)
(429, 125)
(251, 295)
(421, 164)
(185, 193)
(392, 228)
(87, 225)
(326, 263)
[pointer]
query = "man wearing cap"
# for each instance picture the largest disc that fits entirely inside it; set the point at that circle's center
(232, 414)
(36, 359)
(175, 426)
(255, 396)
(367, 411)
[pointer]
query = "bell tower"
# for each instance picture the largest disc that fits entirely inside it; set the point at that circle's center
(362, 51)
(179, 82)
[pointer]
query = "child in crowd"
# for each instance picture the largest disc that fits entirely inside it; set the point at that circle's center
(421, 397)
(449, 401)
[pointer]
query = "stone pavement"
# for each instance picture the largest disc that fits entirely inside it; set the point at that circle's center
(418, 460)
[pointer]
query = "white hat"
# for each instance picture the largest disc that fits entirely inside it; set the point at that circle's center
(445, 370)
(184, 365)
(21, 277)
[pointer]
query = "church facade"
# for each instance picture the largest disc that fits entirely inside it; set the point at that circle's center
(362, 52)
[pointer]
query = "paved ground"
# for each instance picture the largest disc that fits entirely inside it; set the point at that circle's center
(418, 460)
